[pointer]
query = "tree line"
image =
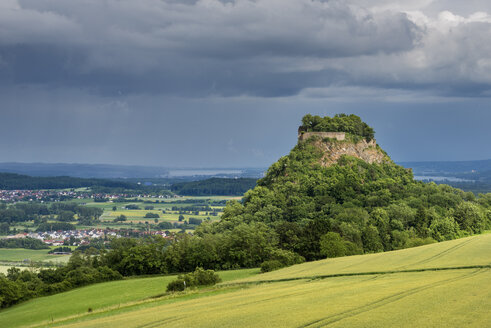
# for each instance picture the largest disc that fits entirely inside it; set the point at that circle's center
(339, 123)
(214, 186)
(13, 181)
(63, 213)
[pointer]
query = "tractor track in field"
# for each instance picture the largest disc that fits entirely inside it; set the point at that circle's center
(298, 293)
(384, 301)
(442, 253)
(159, 323)
(354, 274)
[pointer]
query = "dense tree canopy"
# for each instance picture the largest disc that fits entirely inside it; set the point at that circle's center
(214, 186)
(12, 181)
(339, 123)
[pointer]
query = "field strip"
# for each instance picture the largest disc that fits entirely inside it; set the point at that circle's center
(486, 266)
(159, 323)
(230, 287)
(384, 301)
(445, 252)
(124, 306)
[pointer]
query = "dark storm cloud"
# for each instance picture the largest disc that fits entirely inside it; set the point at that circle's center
(225, 83)
(192, 48)
(259, 48)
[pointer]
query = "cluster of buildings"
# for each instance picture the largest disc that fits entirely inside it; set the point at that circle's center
(37, 195)
(54, 195)
(80, 237)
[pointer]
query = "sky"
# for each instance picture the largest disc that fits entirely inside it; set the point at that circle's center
(209, 83)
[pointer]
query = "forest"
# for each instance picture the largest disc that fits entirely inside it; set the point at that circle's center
(214, 186)
(13, 181)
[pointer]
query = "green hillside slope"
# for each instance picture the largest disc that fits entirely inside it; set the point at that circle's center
(465, 252)
(109, 296)
(298, 296)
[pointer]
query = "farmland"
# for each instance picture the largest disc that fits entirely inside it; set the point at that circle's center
(28, 255)
(444, 284)
(106, 296)
(175, 211)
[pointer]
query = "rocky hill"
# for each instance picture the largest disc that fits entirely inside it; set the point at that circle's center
(338, 187)
(334, 149)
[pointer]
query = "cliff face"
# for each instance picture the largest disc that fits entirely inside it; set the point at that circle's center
(364, 150)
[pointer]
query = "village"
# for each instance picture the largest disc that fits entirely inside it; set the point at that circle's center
(12, 196)
(81, 237)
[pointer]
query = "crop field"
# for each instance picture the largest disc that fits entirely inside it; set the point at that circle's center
(438, 285)
(424, 299)
(136, 216)
(135, 219)
(470, 251)
(300, 297)
(105, 296)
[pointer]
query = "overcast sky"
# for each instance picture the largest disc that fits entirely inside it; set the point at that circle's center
(213, 83)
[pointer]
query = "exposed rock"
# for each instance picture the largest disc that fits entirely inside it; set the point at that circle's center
(364, 150)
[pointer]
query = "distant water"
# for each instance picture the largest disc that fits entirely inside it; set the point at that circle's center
(439, 179)
(194, 172)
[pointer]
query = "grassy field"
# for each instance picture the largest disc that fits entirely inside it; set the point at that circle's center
(21, 254)
(112, 296)
(470, 251)
(438, 285)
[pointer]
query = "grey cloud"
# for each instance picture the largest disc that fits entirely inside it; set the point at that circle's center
(192, 48)
(265, 48)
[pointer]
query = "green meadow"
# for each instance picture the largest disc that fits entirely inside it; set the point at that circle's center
(110, 296)
(438, 285)
(28, 255)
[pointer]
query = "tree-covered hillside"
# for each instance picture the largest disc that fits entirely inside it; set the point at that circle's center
(304, 209)
(12, 181)
(353, 206)
(214, 186)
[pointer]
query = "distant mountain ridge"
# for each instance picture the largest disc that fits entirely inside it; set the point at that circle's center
(110, 171)
(431, 167)
(83, 170)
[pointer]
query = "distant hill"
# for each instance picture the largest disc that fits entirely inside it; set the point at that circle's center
(109, 171)
(214, 186)
(12, 181)
(472, 176)
(445, 167)
(106, 171)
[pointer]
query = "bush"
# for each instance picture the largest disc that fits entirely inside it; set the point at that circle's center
(176, 286)
(271, 265)
(60, 249)
(195, 221)
(199, 277)
(414, 242)
(120, 218)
